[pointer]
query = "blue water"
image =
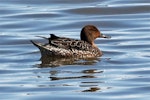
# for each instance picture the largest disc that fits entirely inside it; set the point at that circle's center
(122, 73)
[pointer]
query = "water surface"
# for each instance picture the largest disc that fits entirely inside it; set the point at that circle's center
(122, 73)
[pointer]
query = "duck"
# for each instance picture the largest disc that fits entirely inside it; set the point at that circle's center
(64, 47)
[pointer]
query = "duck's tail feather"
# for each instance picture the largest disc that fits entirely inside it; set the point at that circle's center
(43, 37)
(36, 44)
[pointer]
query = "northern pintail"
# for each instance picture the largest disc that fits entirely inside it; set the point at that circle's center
(68, 47)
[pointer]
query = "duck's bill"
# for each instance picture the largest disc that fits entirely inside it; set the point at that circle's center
(105, 36)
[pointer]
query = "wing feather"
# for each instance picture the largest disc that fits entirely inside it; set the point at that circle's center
(68, 43)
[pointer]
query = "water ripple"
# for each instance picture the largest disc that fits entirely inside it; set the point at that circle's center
(121, 73)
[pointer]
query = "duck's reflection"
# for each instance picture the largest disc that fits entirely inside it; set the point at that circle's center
(47, 61)
(88, 75)
(87, 78)
(75, 77)
(92, 89)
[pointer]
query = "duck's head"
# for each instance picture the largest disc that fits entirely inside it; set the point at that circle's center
(89, 33)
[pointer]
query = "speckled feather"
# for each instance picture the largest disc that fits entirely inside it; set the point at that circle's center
(68, 43)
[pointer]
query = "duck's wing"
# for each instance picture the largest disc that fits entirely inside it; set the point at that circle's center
(68, 43)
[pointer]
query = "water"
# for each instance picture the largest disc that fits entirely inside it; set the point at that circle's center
(122, 73)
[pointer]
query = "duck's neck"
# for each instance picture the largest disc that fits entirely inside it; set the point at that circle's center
(94, 45)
